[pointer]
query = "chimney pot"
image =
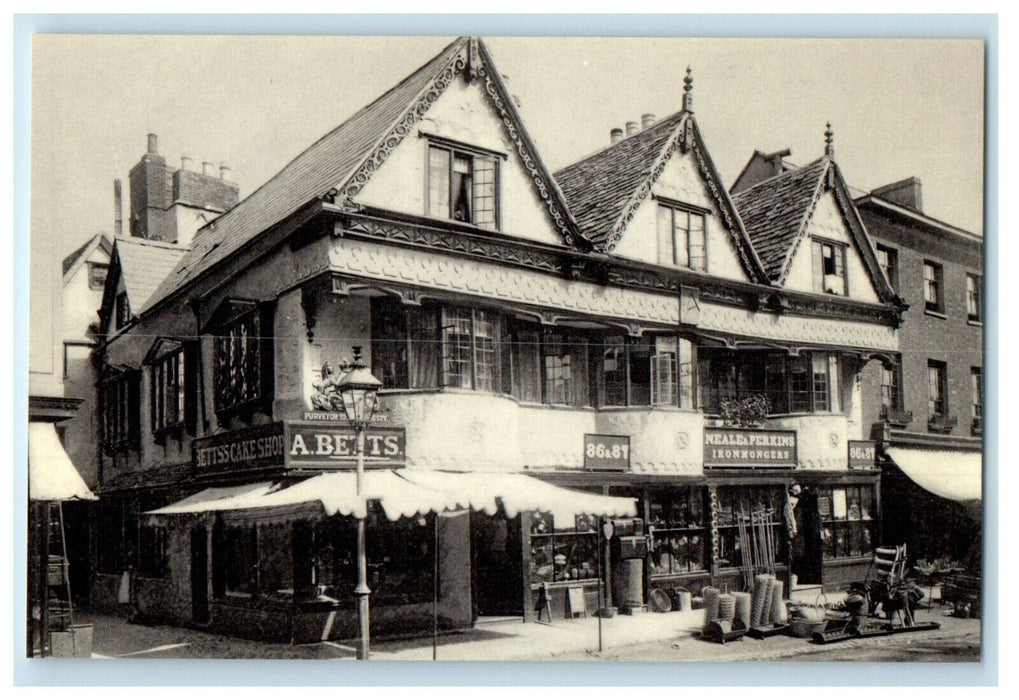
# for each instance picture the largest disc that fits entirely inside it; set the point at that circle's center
(616, 135)
(206, 168)
(153, 144)
(185, 161)
(224, 170)
(631, 128)
(647, 121)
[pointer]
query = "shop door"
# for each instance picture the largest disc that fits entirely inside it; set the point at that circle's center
(199, 575)
(806, 559)
(498, 564)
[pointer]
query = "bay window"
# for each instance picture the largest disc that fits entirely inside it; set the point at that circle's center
(804, 383)
(564, 357)
(243, 361)
(463, 185)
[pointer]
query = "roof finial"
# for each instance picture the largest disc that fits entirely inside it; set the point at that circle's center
(829, 145)
(688, 91)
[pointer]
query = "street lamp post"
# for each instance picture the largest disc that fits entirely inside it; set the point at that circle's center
(359, 390)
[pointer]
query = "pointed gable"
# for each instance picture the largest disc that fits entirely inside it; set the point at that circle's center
(343, 161)
(609, 194)
(82, 253)
(786, 213)
(137, 267)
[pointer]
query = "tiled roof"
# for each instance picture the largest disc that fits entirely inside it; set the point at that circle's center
(598, 187)
(144, 265)
(324, 165)
(774, 212)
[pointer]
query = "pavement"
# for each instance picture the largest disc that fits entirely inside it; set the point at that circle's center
(667, 636)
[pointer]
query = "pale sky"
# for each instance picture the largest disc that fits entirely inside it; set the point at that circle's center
(897, 107)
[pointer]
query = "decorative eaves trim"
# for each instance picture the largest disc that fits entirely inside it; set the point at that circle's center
(474, 56)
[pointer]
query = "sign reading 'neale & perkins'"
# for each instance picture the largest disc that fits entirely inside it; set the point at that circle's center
(734, 447)
(296, 445)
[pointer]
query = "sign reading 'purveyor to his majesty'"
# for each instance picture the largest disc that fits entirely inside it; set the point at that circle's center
(736, 447)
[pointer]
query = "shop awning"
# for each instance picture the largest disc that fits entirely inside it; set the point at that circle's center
(407, 492)
(950, 474)
(219, 498)
(51, 474)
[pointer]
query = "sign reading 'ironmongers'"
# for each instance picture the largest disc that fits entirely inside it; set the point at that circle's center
(321, 446)
(251, 448)
(607, 452)
(862, 454)
(733, 447)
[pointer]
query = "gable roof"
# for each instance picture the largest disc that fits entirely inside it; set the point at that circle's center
(143, 265)
(345, 159)
(72, 261)
(604, 190)
(777, 211)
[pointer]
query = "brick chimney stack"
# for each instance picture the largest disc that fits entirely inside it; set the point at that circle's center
(907, 193)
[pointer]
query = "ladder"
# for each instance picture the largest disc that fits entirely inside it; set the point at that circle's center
(54, 611)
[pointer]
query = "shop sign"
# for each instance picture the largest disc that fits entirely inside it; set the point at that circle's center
(754, 449)
(251, 448)
(337, 417)
(318, 445)
(862, 454)
(607, 452)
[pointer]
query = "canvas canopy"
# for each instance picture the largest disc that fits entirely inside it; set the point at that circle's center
(51, 474)
(950, 474)
(405, 493)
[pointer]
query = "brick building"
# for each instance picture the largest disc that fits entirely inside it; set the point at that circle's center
(927, 411)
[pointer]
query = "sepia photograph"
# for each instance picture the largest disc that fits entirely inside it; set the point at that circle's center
(495, 348)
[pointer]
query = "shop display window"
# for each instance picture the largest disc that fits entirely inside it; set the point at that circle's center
(240, 560)
(847, 526)
(679, 533)
(735, 502)
(564, 554)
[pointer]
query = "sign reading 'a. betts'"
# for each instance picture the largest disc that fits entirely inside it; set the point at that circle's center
(734, 447)
(320, 446)
(253, 448)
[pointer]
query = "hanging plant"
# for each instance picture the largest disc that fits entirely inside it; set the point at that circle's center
(750, 411)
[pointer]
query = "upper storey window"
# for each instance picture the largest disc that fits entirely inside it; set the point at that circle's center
(463, 185)
(973, 298)
(888, 259)
(122, 311)
(830, 268)
(681, 238)
(243, 362)
(933, 288)
(97, 275)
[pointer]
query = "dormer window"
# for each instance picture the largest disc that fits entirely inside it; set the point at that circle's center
(97, 276)
(681, 239)
(830, 268)
(463, 185)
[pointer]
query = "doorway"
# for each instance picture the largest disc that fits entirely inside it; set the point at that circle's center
(199, 576)
(496, 544)
(806, 559)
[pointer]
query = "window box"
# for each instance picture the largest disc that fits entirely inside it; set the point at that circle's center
(896, 416)
(942, 424)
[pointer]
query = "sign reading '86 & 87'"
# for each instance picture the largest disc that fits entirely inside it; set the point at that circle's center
(607, 452)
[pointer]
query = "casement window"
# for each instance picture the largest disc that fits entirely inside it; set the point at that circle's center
(888, 260)
(973, 309)
(172, 389)
(681, 238)
(243, 362)
(97, 276)
(563, 551)
(933, 287)
(463, 185)
(658, 373)
(891, 399)
(937, 390)
(847, 525)
(470, 348)
(830, 268)
(678, 526)
(122, 311)
(564, 357)
(521, 361)
(119, 397)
